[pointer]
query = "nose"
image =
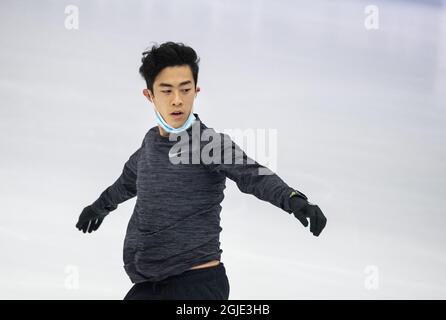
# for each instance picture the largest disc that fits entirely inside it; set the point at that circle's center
(177, 100)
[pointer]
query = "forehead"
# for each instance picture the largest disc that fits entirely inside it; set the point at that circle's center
(174, 75)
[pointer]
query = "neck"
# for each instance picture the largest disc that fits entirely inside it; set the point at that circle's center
(163, 132)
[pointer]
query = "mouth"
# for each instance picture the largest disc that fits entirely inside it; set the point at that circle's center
(177, 114)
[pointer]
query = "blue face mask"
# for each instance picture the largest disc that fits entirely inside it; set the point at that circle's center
(165, 126)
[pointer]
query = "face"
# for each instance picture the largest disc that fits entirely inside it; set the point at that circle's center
(173, 94)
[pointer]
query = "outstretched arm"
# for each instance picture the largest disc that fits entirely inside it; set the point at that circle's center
(253, 178)
(122, 189)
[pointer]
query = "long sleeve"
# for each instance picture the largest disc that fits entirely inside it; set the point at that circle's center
(124, 188)
(250, 176)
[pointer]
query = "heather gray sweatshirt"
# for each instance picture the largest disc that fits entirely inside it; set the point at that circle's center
(175, 223)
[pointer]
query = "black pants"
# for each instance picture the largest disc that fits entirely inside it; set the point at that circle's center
(199, 284)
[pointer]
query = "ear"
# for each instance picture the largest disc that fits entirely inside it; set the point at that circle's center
(197, 90)
(147, 94)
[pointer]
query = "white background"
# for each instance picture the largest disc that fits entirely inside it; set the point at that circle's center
(360, 116)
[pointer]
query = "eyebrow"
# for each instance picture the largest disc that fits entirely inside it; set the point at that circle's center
(170, 86)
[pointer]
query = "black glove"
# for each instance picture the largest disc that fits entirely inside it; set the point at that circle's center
(90, 220)
(302, 209)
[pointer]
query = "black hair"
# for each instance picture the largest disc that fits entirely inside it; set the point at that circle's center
(166, 55)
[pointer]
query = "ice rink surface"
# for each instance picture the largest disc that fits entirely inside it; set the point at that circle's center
(361, 130)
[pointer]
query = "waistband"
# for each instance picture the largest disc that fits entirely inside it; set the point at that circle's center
(195, 275)
(190, 276)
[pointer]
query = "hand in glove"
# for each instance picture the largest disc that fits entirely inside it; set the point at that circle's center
(90, 220)
(302, 210)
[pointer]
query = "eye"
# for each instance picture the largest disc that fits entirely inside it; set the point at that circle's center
(166, 91)
(186, 90)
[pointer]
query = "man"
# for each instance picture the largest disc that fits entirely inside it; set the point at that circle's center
(172, 248)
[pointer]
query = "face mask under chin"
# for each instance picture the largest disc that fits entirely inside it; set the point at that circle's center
(168, 128)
